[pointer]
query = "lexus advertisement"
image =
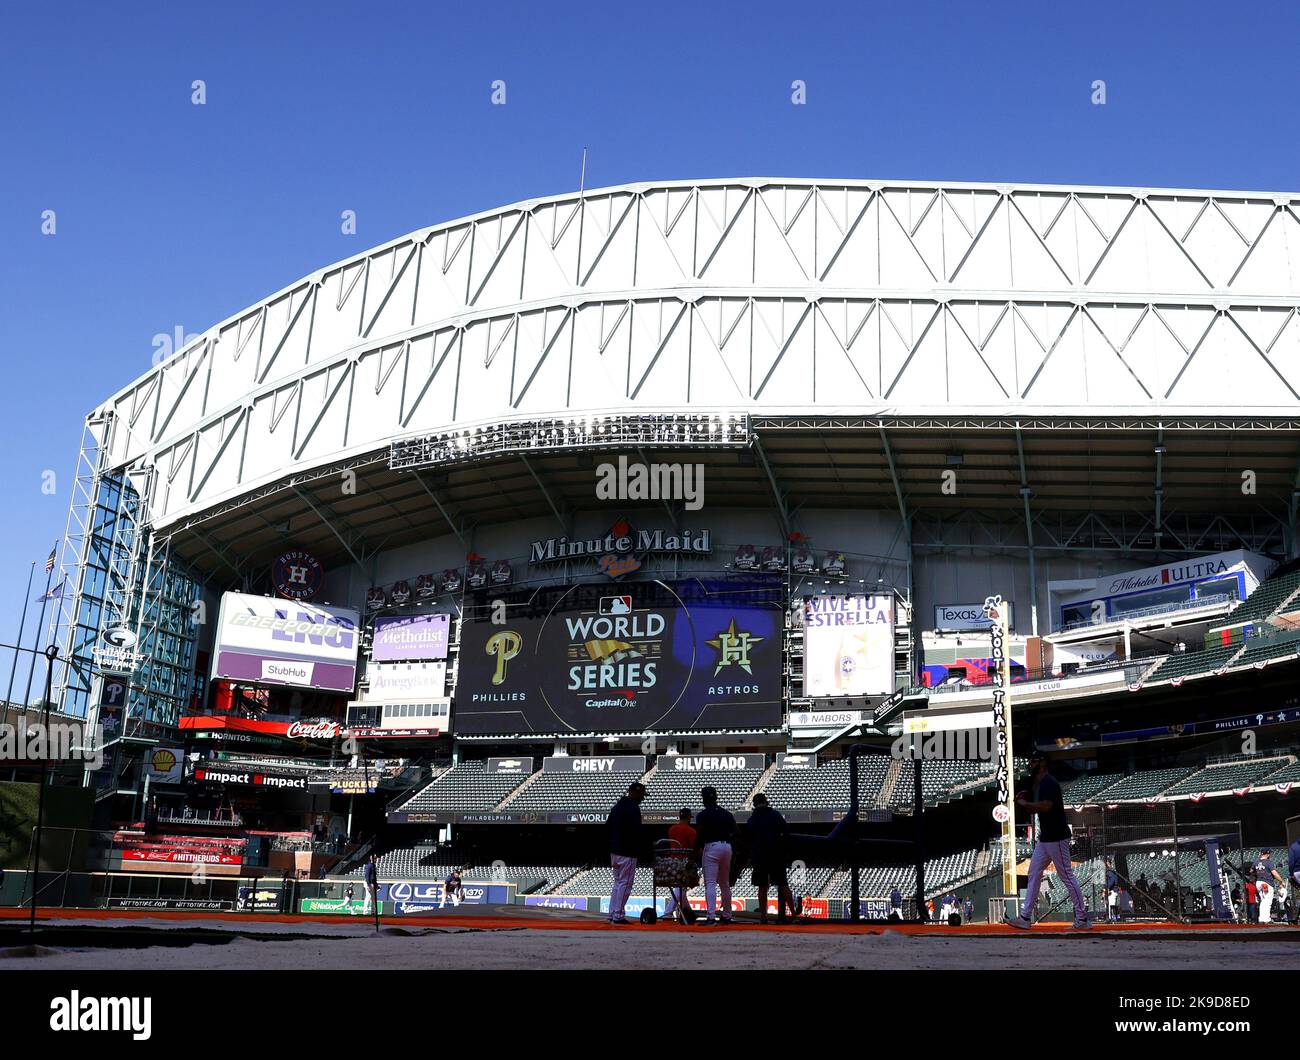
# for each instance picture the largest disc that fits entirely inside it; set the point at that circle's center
(658, 656)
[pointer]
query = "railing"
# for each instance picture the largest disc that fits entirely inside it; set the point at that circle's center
(1214, 600)
(1046, 673)
(218, 820)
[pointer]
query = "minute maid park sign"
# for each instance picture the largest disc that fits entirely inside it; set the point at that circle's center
(622, 540)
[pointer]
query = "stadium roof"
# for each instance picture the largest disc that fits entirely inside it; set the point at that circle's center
(873, 330)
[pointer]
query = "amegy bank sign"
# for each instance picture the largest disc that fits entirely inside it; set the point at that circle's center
(261, 640)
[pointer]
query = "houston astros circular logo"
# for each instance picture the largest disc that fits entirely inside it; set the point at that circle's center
(297, 575)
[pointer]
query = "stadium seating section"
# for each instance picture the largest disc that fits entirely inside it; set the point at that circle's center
(1190, 662)
(467, 786)
(589, 792)
(1268, 597)
(1081, 789)
(1144, 784)
(1225, 776)
(827, 786)
(668, 789)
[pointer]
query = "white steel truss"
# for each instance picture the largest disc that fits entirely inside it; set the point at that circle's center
(783, 298)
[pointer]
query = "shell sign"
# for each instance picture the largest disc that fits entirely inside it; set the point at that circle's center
(164, 765)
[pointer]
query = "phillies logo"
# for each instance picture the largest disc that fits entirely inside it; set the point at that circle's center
(297, 575)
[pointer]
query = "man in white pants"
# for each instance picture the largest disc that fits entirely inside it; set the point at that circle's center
(1052, 846)
(625, 845)
(1265, 876)
(714, 830)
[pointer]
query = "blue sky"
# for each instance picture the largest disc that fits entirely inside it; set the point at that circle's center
(174, 215)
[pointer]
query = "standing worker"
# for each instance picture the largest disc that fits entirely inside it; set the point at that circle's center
(1265, 876)
(624, 823)
(682, 835)
(768, 839)
(1052, 846)
(714, 830)
(371, 884)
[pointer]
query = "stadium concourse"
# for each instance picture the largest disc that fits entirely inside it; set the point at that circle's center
(433, 553)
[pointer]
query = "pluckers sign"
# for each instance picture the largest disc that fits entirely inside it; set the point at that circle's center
(278, 642)
(676, 656)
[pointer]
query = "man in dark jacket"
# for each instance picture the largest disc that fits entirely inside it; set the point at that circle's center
(625, 846)
(767, 833)
(372, 884)
(715, 828)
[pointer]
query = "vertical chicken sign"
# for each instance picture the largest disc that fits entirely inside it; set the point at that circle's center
(1004, 812)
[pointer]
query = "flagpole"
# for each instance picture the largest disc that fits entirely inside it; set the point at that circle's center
(40, 623)
(22, 625)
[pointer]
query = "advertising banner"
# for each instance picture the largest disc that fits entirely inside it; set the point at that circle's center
(848, 645)
(583, 764)
(813, 908)
(422, 897)
(199, 905)
(289, 730)
(260, 900)
(522, 766)
(389, 681)
(657, 656)
(285, 642)
(556, 901)
(966, 617)
(181, 857)
(795, 760)
(163, 764)
(249, 778)
(333, 905)
(711, 763)
(407, 638)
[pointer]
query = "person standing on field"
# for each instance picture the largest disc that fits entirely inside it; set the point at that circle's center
(1052, 846)
(715, 829)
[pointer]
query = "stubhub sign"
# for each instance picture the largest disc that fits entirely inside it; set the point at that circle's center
(261, 640)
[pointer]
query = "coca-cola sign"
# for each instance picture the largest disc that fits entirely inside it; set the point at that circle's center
(312, 730)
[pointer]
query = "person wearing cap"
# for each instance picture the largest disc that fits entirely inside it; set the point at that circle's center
(682, 836)
(1265, 876)
(714, 830)
(1052, 846)
(625, 846)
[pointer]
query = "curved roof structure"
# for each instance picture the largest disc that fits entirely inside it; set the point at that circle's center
(951, 304)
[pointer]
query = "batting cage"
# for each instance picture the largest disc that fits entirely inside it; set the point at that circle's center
(1139, 862)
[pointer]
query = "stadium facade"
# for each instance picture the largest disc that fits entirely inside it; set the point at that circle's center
(899, 398)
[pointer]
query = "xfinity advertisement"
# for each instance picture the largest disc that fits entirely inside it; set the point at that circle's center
(678, 656)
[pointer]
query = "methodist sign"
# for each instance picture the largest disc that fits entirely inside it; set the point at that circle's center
(285, 642)
(662, 656)
(407, 638)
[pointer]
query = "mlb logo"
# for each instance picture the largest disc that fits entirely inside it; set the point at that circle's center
(616, 605)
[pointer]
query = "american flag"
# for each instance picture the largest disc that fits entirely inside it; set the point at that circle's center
(49, 562)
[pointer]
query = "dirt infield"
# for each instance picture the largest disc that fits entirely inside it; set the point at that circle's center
(501, 938)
